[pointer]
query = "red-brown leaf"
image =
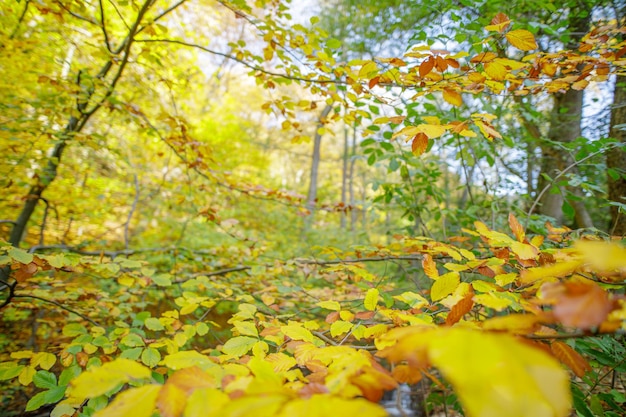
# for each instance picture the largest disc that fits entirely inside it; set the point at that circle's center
(570, 358)
(426, 67)
(419, 144)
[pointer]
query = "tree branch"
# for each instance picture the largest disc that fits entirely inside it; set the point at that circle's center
(58, 305)
(247, 64)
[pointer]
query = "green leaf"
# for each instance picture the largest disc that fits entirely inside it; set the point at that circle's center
(68, 374)
(45, 379)
(132, 354)
(132, 340)
(20, 255)
(46, 397)
(150, 357)
(333, 43)
(73, 329)
(239, 346)
(9, 370)
(153, 324)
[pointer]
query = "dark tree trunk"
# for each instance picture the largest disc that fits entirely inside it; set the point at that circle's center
(616, 158)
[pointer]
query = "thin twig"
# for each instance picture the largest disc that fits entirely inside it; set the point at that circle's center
(58, 305)
(560, 174)
(247, 64)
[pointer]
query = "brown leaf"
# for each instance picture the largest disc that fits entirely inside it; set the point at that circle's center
(516, 228)
(419, 144)
(426, 67)
(460, 309)
(500, 18)
(570, 358)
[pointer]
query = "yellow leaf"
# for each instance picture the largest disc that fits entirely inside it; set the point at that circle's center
(45, 360)
(264, 372)
(445, 285)
(135, 402)
(325, 406)
(191, 379)
(557, 270)
(513, 323)
(26, 376)
(368, 70)
(492, 374)
(498, 27)
(432, 131)
(414, 300)
(493, 300)
(98, 381)
(452, 97)
(522, 39)
(281, 362)
(371, 299)
(346, 315)
(603, 256)
(206, 402)
(524, 250)
(487, 130)
(187, 358)
(496, 70)
(239, 346)
(297, 332)
(257, 406)
(246, 328)
(431, 120)
(330, 305)
(504, 279)
(375, 330)
(340, 327)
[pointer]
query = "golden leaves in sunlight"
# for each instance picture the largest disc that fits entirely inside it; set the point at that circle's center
(492, 374)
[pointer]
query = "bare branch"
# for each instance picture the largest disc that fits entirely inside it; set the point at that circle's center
(82, 316)
(247, 64)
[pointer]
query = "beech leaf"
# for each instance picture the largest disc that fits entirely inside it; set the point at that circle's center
(522, 39)
(492, 374)
(135, 402)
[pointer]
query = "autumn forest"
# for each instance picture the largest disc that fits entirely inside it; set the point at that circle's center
(312, 208)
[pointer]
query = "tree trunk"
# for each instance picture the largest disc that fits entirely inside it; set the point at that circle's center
(344, 178)
(616, 158)
(565, 127)
(315, 162)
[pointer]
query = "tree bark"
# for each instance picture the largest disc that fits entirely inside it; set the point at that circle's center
(565, 127)
(616, 158)
(76, 124)
(315, 162)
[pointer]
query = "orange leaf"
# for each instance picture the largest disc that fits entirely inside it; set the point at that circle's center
(406, 374)
(190, 379)
(571, 358)
(440, 63)
(426, 67)
(419, 144)
(171, 401)
(501, 19)
(430, 268)
(374, 82)
(583, 305)
(483, 58)
(516, 228)
(522, 39)
(452, 97)
(460, 309)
